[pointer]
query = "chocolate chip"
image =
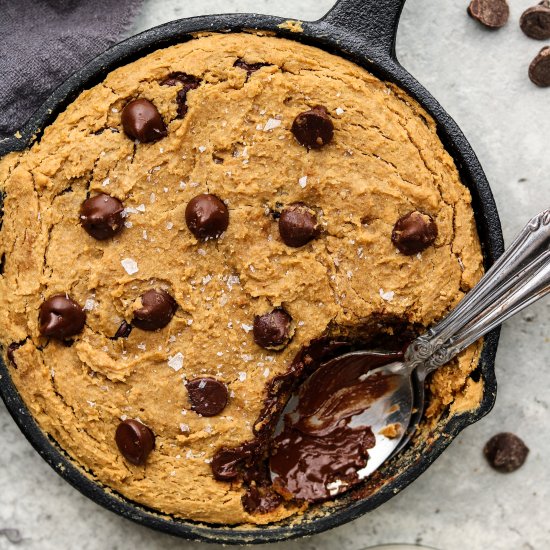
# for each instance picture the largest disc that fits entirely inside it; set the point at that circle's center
(123, 330)
(506, 452)
(226, 463)
(298, 225)
(491, 13)
(313, 128)
(539, 70)
(208, 396)
(273, 330)
(101, 216)
(135, 441)
(142, 121)
(260, 500)
(187, 82)
(535, 21)
(11, 351)
(61, 317)
(206, 216)
(249, 67)
(414, 232)
(157, 310)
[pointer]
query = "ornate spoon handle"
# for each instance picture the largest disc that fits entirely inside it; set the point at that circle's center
(517, 279)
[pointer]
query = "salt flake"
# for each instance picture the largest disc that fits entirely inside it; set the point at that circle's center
(176, 361)
(271, 124)
(129, 265)
(387, 296)
(303, 182)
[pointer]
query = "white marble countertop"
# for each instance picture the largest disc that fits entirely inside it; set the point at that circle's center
(459, 503)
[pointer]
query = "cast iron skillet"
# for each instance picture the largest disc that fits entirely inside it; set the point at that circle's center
(364, 32)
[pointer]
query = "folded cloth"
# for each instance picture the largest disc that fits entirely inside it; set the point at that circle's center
(42, 42)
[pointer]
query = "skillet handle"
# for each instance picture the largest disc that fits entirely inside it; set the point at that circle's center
(371, 22)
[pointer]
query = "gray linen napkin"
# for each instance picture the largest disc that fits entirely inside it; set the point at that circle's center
(42, 42)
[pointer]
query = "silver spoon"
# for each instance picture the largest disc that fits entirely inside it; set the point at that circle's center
(517, 279)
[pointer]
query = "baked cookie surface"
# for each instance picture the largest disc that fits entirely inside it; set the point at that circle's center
(227, 104)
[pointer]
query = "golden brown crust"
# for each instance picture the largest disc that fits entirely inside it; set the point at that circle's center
(385, 160)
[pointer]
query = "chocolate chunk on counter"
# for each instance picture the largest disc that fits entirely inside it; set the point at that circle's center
(135, 441)
(414, 232)
(206, 216)
(157, 310)
(101, 216)
(539, 70)
(314, 128)
(123, 330)
(298, 225)
(61, 317)
(187, 82)
(506, 452)
(273, 330)
(491, 13)
(208, 396)
(142, 121)
(535, 21)
(249, 67)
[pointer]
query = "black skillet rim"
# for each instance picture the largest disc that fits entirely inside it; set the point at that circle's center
(334, 35)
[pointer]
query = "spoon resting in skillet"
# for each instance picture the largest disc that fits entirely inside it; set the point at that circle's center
(358, 410)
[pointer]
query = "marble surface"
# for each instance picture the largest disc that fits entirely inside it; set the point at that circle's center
(459, 503)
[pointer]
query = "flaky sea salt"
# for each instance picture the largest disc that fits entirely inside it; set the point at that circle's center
(387, 296)
(339, 111)
(141, 208)
(129, 265)
(106, 182)
(184, 427)
(246, 328)
(169, 225)
(175, 361)
(152, 198)
(242, 376)
(271, 124)
(303, 182)
(89, 304)
(266, 372)
(202, 148)
(128, 224)
(233, 280)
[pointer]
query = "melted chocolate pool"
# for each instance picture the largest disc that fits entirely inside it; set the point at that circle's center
(318, 453)
(320, 449)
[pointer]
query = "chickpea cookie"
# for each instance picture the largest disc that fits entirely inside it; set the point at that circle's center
(192, 234)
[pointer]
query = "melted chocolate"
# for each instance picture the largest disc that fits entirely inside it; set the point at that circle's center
(318, 454)
(321, 448)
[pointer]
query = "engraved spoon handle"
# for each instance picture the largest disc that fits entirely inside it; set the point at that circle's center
(518, 278)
